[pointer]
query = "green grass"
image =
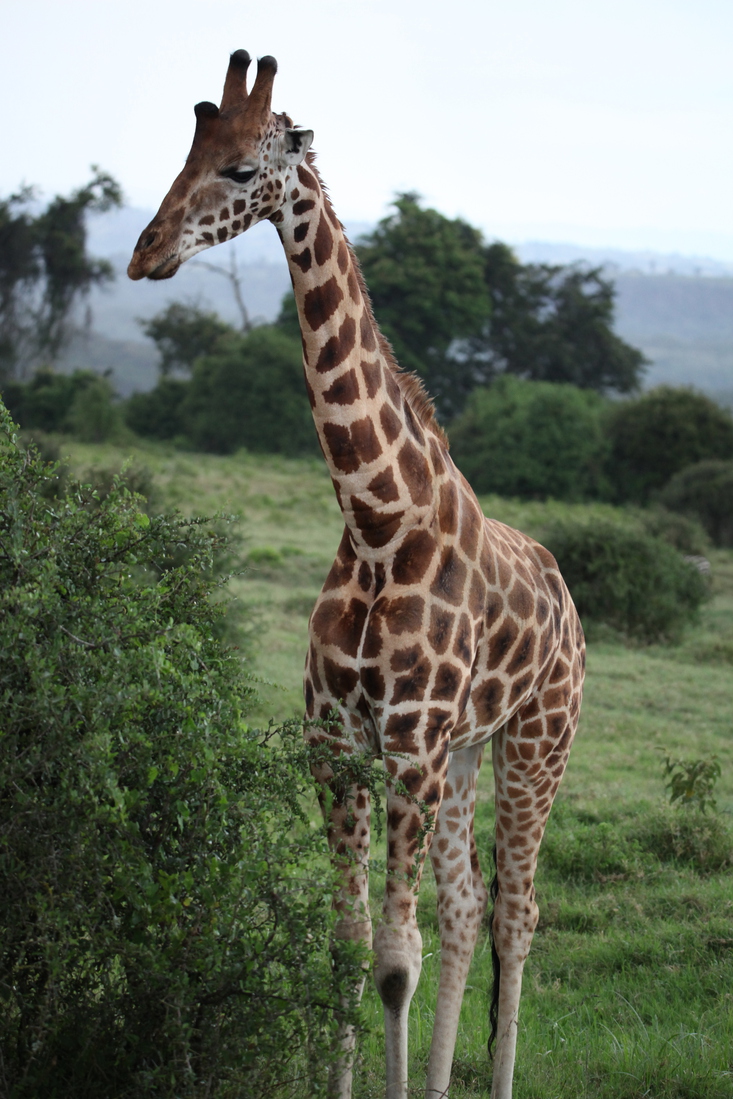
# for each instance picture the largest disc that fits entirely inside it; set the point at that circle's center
(629, 986)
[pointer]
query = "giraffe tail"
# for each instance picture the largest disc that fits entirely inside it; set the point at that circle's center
(496, 965)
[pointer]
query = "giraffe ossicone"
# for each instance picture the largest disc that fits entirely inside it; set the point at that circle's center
(437, 630)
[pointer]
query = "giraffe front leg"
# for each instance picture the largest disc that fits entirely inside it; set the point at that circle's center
(349, 840)
(462, 899)
(347, 816)
(413, 799)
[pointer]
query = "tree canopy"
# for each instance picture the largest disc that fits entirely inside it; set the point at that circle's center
(425, 277)
(249, 392)
(245, 390)
(552, 324)
(45, 270)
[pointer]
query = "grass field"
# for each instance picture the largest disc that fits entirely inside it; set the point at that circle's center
(629, 987)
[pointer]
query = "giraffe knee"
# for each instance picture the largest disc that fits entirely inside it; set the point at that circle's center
(398, 964)
(393, 987)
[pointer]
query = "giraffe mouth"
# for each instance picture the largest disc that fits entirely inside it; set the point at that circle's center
(166, 269)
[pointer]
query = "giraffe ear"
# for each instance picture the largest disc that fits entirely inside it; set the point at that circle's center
(296, 144)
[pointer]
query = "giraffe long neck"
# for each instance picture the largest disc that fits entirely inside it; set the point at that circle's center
(374, 424)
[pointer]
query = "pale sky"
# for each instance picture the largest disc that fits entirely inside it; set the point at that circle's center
(601, 123)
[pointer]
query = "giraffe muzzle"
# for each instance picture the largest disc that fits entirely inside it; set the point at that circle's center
(142, 266)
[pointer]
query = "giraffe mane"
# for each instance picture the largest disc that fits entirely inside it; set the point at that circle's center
(411, 384)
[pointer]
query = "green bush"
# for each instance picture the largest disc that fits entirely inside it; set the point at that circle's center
(249, 392)
(157, 413)
(692, 781)
(680, 531)
(182, 333)
(136, 477)
(579, 847)
(704, 492)
(163, 901)
(656, 435)
(531, 439)
(637, 584)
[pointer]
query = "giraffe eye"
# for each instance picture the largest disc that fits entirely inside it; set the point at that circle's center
(237, 176)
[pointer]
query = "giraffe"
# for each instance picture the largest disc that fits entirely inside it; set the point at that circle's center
(437, 630)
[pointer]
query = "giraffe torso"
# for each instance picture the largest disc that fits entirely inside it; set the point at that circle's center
(464, 616)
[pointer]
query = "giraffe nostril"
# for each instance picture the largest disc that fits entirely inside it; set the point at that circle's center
(150, 238)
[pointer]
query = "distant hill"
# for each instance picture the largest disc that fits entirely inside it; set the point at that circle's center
(677, 309)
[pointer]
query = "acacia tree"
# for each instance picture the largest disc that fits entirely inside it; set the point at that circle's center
(45, 270)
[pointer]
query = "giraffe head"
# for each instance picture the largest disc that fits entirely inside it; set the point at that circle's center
(235, 174)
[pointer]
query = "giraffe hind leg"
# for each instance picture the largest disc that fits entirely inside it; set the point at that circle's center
(529, 754)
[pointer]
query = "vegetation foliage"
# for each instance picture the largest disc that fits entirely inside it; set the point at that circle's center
(461, 312)
(249, 391)
(182, 333)
(82, 403)
(692, 781)
(246, 390)
(553, 324)
(163, 900)
(426, 281)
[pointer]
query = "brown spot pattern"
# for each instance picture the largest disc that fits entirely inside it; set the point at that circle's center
(322, 302)
(323, 242)
(340, 623)
(384, 486)
(413, 558)
(338, 347)
(415, 473)
(344, 391)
